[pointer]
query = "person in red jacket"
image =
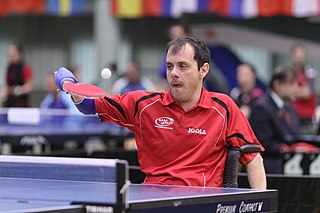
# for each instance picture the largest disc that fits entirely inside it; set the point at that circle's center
(18, 79)
(306, 101)
(182, 134)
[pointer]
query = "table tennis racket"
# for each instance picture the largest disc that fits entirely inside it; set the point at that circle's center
(84, 90)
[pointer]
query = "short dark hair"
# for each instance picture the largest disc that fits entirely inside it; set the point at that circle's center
(281, 74)
(19, 47)
(201, 51)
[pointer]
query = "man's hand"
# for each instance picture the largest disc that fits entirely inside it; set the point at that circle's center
(63, 75)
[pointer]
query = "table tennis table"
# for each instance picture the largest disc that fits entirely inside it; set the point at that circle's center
(56, 184)
(36, 133)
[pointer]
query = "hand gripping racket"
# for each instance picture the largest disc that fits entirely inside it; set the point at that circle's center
(84, 90)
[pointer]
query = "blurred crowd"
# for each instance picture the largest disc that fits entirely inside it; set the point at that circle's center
(285, 106)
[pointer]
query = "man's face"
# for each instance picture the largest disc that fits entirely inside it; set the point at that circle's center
(246, 78)
(132, 72)
(183, 75)
(13, 54)
(299, 56)
(50, 84)
(287, 90)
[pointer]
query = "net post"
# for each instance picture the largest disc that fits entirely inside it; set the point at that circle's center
(122, 185)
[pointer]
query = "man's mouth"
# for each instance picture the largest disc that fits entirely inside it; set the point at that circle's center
(176, 85)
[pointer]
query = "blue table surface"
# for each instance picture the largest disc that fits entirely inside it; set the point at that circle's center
(17, 206)
(100, 192)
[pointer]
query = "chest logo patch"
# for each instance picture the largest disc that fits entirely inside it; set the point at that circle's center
(197, 131)
(164, 122)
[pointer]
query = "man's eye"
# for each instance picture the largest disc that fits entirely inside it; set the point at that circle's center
(183, 66)
(169, 67)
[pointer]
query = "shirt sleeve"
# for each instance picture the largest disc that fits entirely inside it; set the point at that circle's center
(27, 73)
(118, 109)
(239, 132)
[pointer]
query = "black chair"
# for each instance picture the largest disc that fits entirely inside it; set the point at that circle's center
(231, 170)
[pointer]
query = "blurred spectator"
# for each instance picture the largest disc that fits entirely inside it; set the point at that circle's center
(306, 101)
(177, 31)
(18, 79)
(56, 99)
(273, 117)
(132, 80)
(246, 94)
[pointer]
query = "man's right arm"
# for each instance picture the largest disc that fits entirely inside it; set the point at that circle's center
(84, 105)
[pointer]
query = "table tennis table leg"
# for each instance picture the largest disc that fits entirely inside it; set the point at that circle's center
(37, 148)
(5, 148)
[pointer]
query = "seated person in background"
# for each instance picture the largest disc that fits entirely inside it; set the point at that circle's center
(55, 99)
(131, 81)
(58, 100)
(247, 93)
(273, 117)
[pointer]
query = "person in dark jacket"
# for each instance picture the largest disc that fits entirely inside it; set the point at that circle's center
(273, 117)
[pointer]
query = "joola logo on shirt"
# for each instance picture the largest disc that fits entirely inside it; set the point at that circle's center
(164, 122)
(197, 131)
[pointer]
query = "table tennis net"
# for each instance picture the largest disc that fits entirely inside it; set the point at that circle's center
(77, 169)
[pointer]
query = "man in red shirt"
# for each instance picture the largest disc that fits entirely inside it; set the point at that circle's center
(183, 134)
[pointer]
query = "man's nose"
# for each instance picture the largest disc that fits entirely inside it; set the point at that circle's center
(174, 72)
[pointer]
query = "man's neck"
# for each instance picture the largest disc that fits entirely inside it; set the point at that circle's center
(278, 101)
(186, 105)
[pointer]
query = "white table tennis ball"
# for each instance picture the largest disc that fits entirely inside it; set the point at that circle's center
(106, 73)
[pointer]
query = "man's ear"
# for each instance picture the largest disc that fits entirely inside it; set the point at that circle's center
(204, 70)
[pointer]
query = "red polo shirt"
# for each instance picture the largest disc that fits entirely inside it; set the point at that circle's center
(178, 147)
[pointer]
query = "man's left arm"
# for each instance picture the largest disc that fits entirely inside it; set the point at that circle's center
(239, 133)
(256, 173)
